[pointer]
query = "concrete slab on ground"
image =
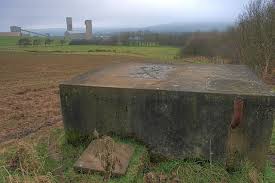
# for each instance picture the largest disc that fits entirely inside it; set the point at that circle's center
(100, 152)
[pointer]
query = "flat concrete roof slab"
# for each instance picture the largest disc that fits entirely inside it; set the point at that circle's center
(205, 78)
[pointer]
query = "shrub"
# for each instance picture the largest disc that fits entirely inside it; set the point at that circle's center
(48, 41)
(62, 42)
(25, 41)
(254, 36)
(81, 42)
(36, 42)
(249, 42)
(208, 44)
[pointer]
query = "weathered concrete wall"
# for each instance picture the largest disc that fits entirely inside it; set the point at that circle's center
(175, 124)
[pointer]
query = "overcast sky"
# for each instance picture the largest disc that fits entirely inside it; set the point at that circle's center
(115, 13)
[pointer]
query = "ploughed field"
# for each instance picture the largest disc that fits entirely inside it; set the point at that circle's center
(29, 88)
(29, 102)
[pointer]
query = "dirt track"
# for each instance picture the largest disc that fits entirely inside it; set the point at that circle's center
(29, 95)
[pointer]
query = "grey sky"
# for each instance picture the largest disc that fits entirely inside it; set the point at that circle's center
(115, 13)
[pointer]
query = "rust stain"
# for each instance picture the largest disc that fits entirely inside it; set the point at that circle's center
(238, 113)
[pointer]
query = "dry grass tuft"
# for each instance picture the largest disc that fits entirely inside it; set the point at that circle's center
(254, 176)
(152, 177)
(106, 151)
(27, 179)
(25, 160)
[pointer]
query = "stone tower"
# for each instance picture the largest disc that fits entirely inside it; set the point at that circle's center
(88, 35)
(69, 21)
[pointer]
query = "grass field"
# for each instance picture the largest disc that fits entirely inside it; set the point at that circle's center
(8, 41)
(160, 52)
(51, 159)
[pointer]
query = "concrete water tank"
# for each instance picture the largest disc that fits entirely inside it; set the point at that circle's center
(178, 111)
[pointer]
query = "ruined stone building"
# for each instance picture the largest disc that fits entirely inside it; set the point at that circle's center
(72, 34)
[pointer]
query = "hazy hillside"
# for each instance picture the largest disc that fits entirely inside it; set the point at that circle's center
(189, 27)
(172, 27)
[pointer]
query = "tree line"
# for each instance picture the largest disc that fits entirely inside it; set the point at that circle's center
(139, 38)
(38, 41)
(249, 42)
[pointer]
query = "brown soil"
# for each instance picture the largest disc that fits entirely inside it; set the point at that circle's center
(29, 94)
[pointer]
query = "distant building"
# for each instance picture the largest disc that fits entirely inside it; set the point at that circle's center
(77, 34)
(15, 29)
(88, 24)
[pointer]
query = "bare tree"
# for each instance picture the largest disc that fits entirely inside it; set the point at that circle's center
(254, 36)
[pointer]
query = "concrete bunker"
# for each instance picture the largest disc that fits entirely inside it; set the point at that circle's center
(179, 111)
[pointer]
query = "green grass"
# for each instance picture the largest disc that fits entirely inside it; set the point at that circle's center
(158, 52)
(272, 141)
(270, 171)
(269, 174)
(193, 172)
(147, 52)
(58, 166)
(8, 41)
